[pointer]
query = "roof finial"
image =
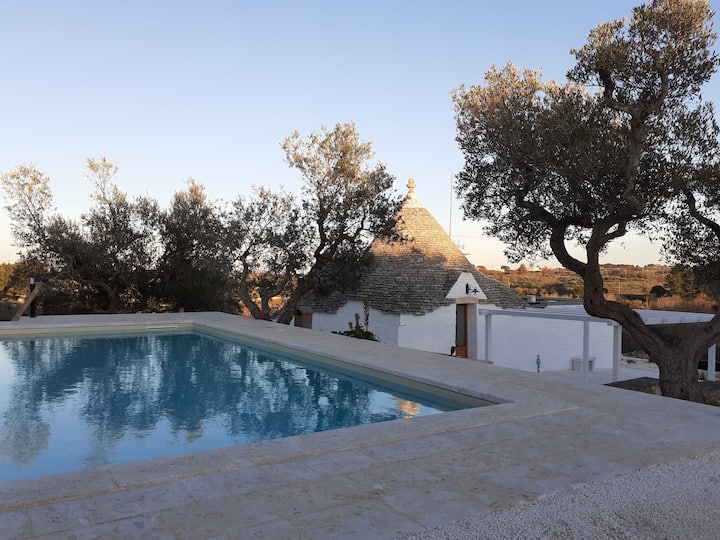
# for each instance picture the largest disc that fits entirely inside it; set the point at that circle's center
(411, 199)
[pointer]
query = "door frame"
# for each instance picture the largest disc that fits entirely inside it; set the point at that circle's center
(461, 318)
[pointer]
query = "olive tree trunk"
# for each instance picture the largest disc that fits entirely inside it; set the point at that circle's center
(679, 374)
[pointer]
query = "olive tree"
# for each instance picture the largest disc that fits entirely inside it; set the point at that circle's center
(284, 248)
(29, 204)
(194, 268)
(28, 200)
(269, 237)
(551, 164)
(118, 240)
(106, 250)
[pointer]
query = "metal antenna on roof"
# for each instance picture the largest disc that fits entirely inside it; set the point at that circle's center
(451, 205)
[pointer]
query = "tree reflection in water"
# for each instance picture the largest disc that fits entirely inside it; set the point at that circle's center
(190, 387)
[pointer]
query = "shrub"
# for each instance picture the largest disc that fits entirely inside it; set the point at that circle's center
(357, 330)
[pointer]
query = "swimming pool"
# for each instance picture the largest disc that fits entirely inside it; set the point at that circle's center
(73, 402)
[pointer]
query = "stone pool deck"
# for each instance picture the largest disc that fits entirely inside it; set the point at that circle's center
(549, 434)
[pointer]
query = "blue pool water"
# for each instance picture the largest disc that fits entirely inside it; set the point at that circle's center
(69, 403)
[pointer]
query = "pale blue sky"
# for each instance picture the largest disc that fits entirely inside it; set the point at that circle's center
(173, 89)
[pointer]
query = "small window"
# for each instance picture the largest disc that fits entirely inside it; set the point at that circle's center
(303, 318)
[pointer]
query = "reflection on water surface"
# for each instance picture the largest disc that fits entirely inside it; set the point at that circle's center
(70, 402)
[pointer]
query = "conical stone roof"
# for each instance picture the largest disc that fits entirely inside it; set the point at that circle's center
(415, 273)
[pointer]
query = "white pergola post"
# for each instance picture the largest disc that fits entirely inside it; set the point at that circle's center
(711, 362)
(586, 350)
(473, 334)
(488, 338)
(617, 351)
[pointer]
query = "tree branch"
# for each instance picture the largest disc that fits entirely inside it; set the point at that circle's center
(557, 244)
(694, 212)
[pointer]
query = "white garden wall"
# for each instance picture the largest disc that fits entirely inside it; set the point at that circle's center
(517, 341)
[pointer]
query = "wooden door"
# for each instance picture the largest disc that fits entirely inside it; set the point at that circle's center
(461, 330)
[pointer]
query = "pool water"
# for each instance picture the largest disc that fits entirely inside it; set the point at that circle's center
(68, 403)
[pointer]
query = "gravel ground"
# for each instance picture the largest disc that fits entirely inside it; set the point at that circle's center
(676, 500)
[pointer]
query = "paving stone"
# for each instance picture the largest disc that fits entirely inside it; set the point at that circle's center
(360, 519)
(307, 497)
(15, 525)
(409, 473)
(208, 519)
(138, 527)
(70, 514)
(76, 483)
(160, 470)
(434, 504)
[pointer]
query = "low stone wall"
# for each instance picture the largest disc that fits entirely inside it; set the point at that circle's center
(648, 385)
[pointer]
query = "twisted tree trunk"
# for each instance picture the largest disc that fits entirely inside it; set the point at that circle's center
(677, 360)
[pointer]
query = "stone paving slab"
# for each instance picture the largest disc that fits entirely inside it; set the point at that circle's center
(548, 435)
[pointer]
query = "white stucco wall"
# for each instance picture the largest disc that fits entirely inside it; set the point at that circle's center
(434, 332)
(517, 341)
(383, 325)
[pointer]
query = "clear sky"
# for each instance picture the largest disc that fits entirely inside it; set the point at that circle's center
(208, 89)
